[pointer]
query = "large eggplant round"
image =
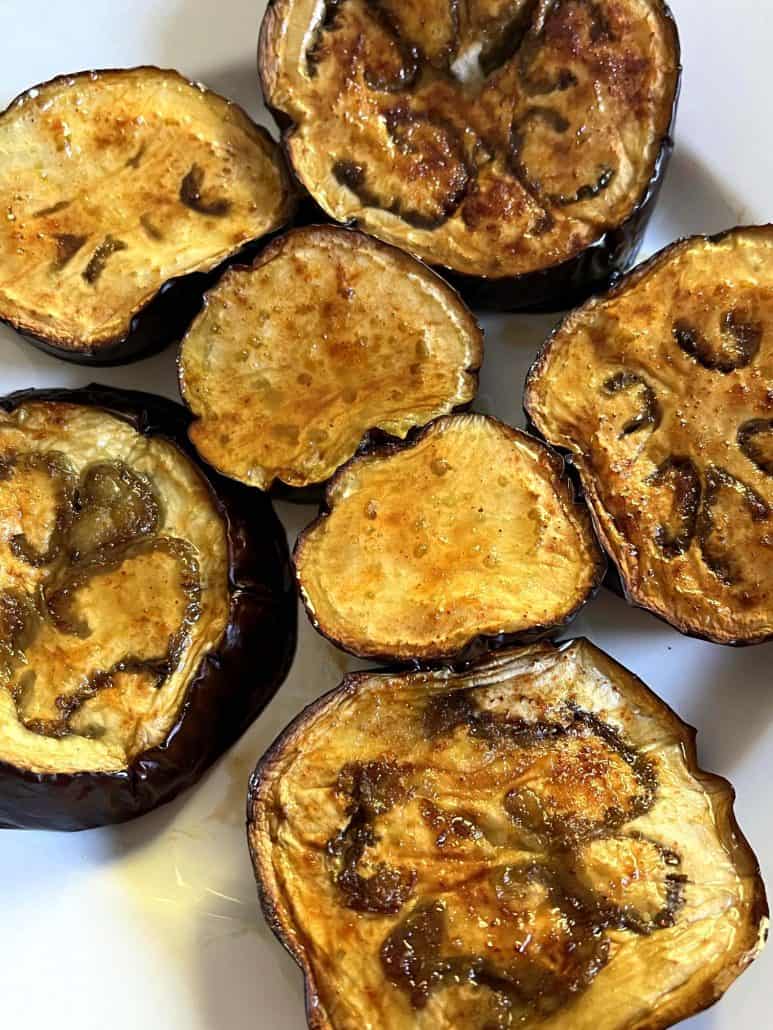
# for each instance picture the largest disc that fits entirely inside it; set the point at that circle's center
(226, 682)
(517, 147)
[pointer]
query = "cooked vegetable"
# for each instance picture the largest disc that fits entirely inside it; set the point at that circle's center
(528, 842)
(519, 144)
(146, 607)
(328, 335)
(662, 393)
(468, 534)
(114, 183)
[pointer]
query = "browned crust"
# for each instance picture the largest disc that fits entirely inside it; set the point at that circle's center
(279, 921)
(633, 596)
(120, 347)
(480, 643)
(556, 286)
(276, 246)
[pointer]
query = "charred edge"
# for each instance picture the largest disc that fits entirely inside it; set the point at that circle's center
(650, 413)
(190, 195)
(682, 477)
(716, 558)
(67, 246)
(96, 266)
(748, 438)
(532, 40)
(740, 342)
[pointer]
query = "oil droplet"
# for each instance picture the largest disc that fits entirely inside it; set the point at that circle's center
(420, 550)
(503, 480)
(317, 436)
(492, 560)
(304, 379)
(371, 510)
(440, 466)
(422, 349)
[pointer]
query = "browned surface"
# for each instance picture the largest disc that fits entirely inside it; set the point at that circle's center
(470, 531)
(329, 334)
(114, 182)
(494, 138)
(663, 394)
(113, 587)
(526, 843)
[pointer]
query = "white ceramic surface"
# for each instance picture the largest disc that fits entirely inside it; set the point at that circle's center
(155, 923)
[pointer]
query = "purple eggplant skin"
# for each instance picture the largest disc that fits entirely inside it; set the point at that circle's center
(233, 682)
(597, 268)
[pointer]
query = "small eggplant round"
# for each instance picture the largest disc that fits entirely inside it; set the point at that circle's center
(234, 681)
(187, 212)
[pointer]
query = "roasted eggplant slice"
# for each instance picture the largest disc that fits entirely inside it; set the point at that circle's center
(527, 842)
(517, 144)
(329, 335)
(114, 183)
(147, 612)
(466, 536)
(662, 394)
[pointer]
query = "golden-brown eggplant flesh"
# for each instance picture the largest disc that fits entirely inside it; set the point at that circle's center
(528, 842)
(493, 138)
(470, 531)
(113, 587)
(662, 393)
(113, 183)
(328, 335)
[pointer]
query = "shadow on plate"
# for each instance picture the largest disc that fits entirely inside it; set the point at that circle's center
(192, 30)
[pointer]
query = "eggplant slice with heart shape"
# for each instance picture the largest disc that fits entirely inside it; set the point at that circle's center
(528, 841)
(146, 607)
(467, 536)
(119, 190)
(661, 393)
(328, 336)
(517, 145)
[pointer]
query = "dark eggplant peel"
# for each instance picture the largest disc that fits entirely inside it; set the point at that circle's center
(469, 535)
(114, 183)
(527, 842)
(328, 335)
(517, 143)
(146, 607)
(662, 394)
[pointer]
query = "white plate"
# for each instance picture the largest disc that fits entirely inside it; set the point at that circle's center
(155, 923)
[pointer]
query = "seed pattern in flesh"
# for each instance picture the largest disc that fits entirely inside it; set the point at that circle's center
(695, 496)
(520, 39)
(90, 537)
(418, 956)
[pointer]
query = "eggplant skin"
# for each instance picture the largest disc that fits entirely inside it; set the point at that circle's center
(233, 682)
(268, 823)
(345, 629)
(555, 287)
(720, 611)
(163, 315)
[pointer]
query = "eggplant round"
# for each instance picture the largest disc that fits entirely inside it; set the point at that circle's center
(528, 841)
(122, 191)
(661, 393)
(147, 610)
(517, 146)
(466, 537)
(326, 337)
